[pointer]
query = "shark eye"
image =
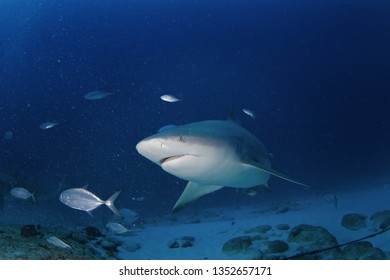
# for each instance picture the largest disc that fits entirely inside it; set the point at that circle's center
(182, 139)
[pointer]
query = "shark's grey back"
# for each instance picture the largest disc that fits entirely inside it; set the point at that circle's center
(247, 145)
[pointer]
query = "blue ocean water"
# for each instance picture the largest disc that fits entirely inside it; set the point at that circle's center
(316, 73)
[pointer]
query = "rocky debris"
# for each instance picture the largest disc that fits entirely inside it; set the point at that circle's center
(92, 232)
(132, 247)
(181, 242)
(381, 219)
(105, 247)
(29, 230)
(237, 245)
(362, 251)
(310, 238)
(259, 237)
(276, 246)
(385, 224)
(283, 227)
(354, 221)
(15, 246)
(259, 229)
(286, 207)
(259, 233)
(129, 217)
(108, 244)
(250, 254)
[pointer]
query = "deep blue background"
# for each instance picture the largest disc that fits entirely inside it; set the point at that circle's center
(316, 73)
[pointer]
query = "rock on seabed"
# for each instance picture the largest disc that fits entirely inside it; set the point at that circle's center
(14, 246)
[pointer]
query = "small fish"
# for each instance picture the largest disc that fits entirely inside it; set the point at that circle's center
(97, 94)
(169, 98)
(249, 113)
(54, 240)
(47, 125)
(129, 216)
(22, 193)
(139, 199)
(166, 127)
(251, 191)
(84, 200)
(117, 228)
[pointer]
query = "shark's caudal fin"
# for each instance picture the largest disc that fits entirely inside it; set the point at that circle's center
(276, 173)
(192, 192)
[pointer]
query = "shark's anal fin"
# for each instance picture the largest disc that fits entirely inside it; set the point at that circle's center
(192, 192)
(277, 174)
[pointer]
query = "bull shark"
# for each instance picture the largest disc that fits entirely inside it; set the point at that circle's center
(210, 155)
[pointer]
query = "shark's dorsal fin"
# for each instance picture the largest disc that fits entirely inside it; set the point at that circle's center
(276, 173)
(192, 192)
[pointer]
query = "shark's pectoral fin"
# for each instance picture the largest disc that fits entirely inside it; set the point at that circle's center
(192, 192)
(276, 173)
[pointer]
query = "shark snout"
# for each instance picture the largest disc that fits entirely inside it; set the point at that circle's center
(153, 149)
(145, 148)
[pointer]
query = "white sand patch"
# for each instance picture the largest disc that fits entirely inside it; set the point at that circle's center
(211, 231)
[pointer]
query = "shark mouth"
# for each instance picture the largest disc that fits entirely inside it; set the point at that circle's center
(164, 160)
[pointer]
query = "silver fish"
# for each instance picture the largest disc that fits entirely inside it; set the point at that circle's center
(249, 113)
(251, 191)
(54, 240)
(169, 98)
(97, 94)
(139, 199)
(129, 216)
(84, 200)
(116, 228)
(22, 193)
(47, 125)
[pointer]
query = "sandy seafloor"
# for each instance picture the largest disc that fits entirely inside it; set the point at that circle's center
(270, 230)
(211, 228)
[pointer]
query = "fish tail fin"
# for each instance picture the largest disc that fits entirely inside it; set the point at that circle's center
(33, 197)
(110, 203)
